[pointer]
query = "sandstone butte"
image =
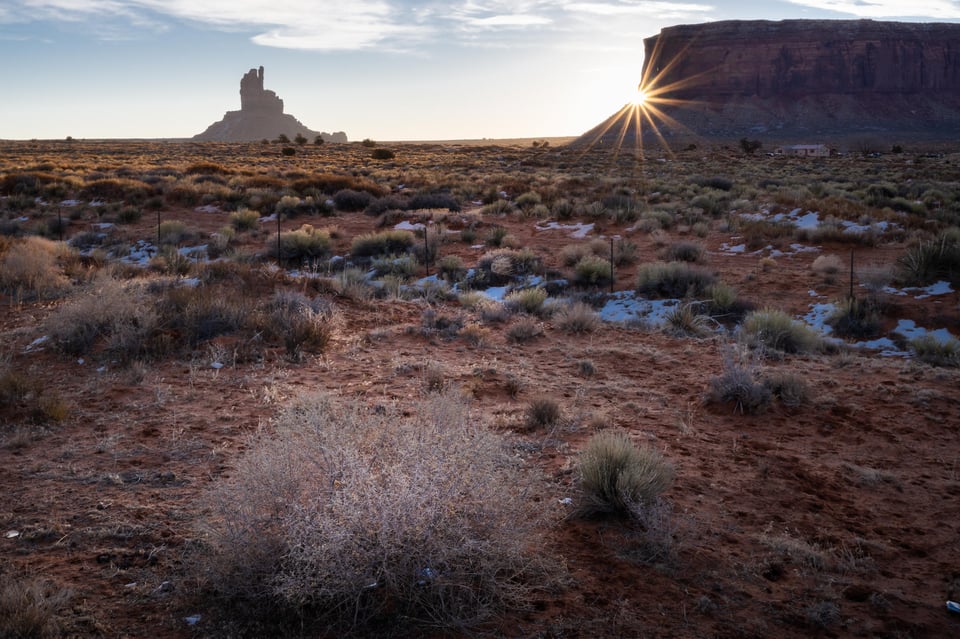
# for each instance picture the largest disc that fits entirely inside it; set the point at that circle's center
(799, 79)
(260, 117)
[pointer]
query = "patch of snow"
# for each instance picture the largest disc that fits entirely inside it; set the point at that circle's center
(193, 251)
(22, 218)
(216, 365)
(409, 226)
(140, 253)
(807, 222)
(909, 330)
(817, 317)
(739, 248)
(625, 306)
(207, 208)
(940, 288)
(495, 293)
(70, 203)
(579, 230)
(104, 225)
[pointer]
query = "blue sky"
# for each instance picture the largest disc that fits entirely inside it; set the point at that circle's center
(383, 69)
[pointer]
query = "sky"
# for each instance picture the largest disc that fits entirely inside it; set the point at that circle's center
(379, 69)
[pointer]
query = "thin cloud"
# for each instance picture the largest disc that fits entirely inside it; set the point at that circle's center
(650, 9)
(937, 9)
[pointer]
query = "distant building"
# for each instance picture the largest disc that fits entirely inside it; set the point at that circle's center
(804, 150)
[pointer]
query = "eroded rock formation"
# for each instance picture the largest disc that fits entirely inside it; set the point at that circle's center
(260, 117)
(807, 78)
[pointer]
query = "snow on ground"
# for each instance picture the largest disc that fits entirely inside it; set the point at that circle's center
(626, 306)
(909, 330)
(409, 226)
(578, 231)
(939, 288)
(208, 208)
(810, 221)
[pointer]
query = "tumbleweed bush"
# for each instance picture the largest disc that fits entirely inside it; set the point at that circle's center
(357, 515)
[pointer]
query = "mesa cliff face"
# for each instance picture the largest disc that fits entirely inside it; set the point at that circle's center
(802, 79)
(801, 58)
(260, 117)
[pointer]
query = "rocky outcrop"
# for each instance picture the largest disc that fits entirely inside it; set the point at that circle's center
(805, 79)
(260, 117)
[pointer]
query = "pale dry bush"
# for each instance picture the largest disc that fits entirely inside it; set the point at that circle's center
(355, 514)
(32, 267)
(30, 607)
(827, 265)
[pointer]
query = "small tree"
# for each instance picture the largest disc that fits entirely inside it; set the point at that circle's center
(368, 143)
(300, 139)
(318, 140)
(283, 139)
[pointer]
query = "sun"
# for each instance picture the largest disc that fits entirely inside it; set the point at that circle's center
(640, 97)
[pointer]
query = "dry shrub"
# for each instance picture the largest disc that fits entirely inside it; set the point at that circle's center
(29, 607)
(929, 349)
(854, 317)
(542, 412)
(304, 324)
(577, 317)
(684, 320)
(355, 515)
(684, 252)
(32, 266)
(618, 478)
(524, 330)
(739, 384)
(791, 389)
(111, 309)
(527, 300)
(827, 265)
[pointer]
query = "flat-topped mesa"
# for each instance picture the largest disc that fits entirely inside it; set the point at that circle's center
(260, 117)
(253, 97)
(765, 59)
(795, 80)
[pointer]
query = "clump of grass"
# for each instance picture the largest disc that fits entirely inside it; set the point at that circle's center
(30, 607)
(350, 200)
(524, 330)
(927, 348)
(451, 267)
(592, 270)
(722, 299)
(739, 384)
(855, 317)
(578, 318)
(391, 242)
(173, 232)
(32, 267)
(791, 389)
(685, 320)
(352, 517)
(401, 266)
(501, 265)
(528, 300)
(775, 330)
(673, 279)
(542, 412)
(618, 478)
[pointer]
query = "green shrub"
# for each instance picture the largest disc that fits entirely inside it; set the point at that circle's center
(722, 299)
(354, 518)
(930, 261)
(382, 154)
(528, 300)
(244, 219)
(305, 243)
(509, 262)
(673, 279)
(592, 271)
(684, 252)
(384, 243)
(451, 267)
(434, 201)
(777, 331)
(173, 232)
(350, 200)
(618, 478)
(129, 215)
(935, 352)
(401, 266)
